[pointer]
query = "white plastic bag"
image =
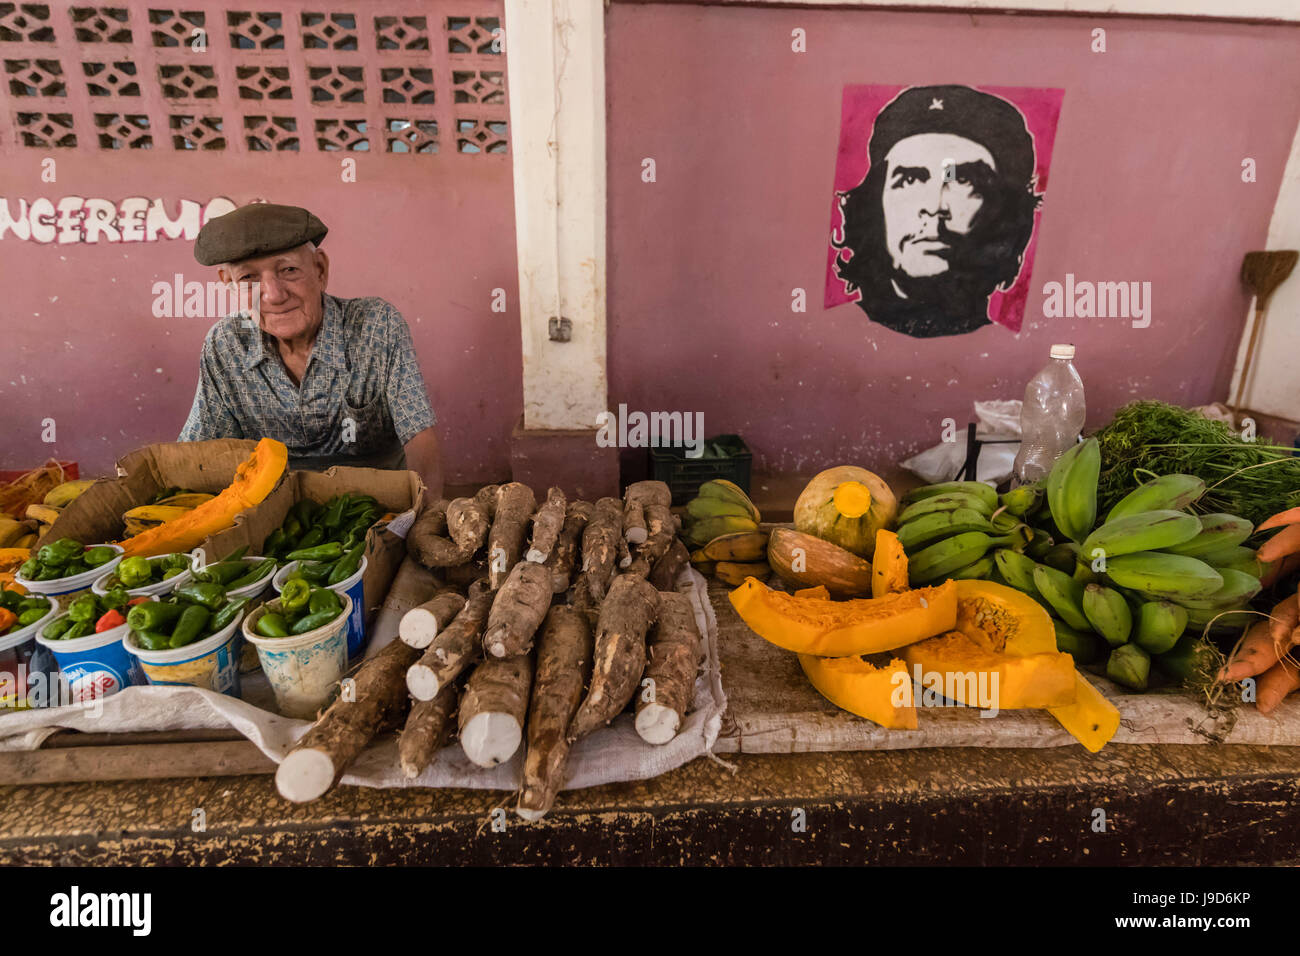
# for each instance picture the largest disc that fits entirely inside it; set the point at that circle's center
(996, 420)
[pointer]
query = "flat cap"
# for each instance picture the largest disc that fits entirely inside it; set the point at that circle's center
(258, 229)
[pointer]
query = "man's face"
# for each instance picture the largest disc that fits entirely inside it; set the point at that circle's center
(290, 286)
(921, 210)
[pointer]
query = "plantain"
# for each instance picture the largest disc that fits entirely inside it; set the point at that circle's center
(60, 496)
(1218, 533)
(1130, 666)
(701, 533)
(188, 499)
(1017, 570)
(1064, 593)
(1108, 613)
(929, 528)
(1157, 574)
(1022, 500)
(976, 488)
(978, 570)
(735, 572)
(144, 517)
(724, 490)
(942, 558)
(1039, 545)
(949, 502)
(45, 514)
(1144, 531)
(1085, 648)
(26, 541)
(1240, 558)
(11, 530)
(1238, 588)
(1072, 489)
(1166, 493)
(1064, 557)
(743, 546)
(1158, 626)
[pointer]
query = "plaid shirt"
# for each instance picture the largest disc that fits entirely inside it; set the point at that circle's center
(362, 367)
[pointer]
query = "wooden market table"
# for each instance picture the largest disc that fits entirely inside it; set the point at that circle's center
(1185, 804)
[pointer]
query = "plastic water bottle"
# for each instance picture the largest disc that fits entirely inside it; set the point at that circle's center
(1051, 417)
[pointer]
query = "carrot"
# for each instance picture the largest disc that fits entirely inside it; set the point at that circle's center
(1274, 684)
(1259, 651)
(1290, 516)
(1286, 541)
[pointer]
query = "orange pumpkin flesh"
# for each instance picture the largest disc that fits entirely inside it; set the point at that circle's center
(853, 684)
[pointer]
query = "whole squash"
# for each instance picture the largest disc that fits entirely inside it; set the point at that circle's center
(846, 505)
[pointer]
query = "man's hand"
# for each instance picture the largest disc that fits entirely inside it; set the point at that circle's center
(424, 457)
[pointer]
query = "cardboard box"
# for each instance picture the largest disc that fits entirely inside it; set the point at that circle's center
(209, 466)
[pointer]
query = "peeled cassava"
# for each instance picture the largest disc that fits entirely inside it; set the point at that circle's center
(811, 625)
(846, 505)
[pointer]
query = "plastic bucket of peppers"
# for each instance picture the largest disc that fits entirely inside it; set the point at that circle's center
(86, 641)
(190, 637)
(240, 575)
(21, 616)
(67, 566)
(145, 577)
(301, 641)
(342, 573)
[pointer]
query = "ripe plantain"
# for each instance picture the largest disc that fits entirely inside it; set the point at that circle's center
(743, 546)
(734, 572)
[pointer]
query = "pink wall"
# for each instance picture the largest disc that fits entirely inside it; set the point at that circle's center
(433, 234)
(1145, 185)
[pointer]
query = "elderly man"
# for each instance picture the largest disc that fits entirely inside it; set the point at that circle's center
(335, 379)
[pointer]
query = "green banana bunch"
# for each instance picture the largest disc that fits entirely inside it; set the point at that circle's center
(1072, 489)
(1166, 493)
(1108, 613)
(1085, 648)
(927, 528)
(1016, 569)
(1161, 575)
(975, 488)
(1159, 625)
(1064, 594)
(942, 558)
(1218, 532)
(1144, 531)
(948, 502)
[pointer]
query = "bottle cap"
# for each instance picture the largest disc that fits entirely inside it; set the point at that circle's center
(1062, 351)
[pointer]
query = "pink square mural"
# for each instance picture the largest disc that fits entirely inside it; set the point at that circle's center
(938, 193)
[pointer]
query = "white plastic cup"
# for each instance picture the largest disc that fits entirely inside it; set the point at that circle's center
(350, 586)
(158, 589)
(97, 665)
(302, 668)
(64, 588)
(212, 663)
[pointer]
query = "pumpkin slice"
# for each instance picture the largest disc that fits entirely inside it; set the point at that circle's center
(806, 562)
(888, 565)
(880, 694)
(845, 628)
(254, 479)
(817, 592)
(968, 671)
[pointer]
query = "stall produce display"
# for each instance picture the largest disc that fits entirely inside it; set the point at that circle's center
(63, 559)
(19, 610)
(47, 485)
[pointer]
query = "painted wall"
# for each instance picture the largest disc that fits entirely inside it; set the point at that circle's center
(1145, 185)
(433, 234)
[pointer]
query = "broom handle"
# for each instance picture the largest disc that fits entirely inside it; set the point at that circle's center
(1261, 310)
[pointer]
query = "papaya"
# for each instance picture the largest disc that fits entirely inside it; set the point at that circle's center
(254, 479)
(857, 686)
(968, 671)
(809, 625)
(805, 561)
(846, 505)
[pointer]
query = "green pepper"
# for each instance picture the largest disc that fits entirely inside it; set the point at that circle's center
(134, 572)
(78, 629)
(84, 608)
(223, 572)
(310, 622)
(360, 503)
(228, 612)
(94, 557)
(305, 511)
(255, 574)
(295, 594)
(274, 542)
(9, 599)
(312, 538)
(206, 593)
(32, 616)
(313, 572)
(152, 640)
(48, 574)
(322, 552)
(235, 555)
(115, 598)
(272, 625)
(347, 565)
(323, 599)
(59, 553)
(333, 516)
(56, 629)
(189, 625)
(30, 568)
(153, 615)
(31, 603)
(292, 528)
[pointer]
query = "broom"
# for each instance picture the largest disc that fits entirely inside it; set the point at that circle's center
(1261, 274)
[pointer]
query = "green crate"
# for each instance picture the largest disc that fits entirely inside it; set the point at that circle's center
(684, 475)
